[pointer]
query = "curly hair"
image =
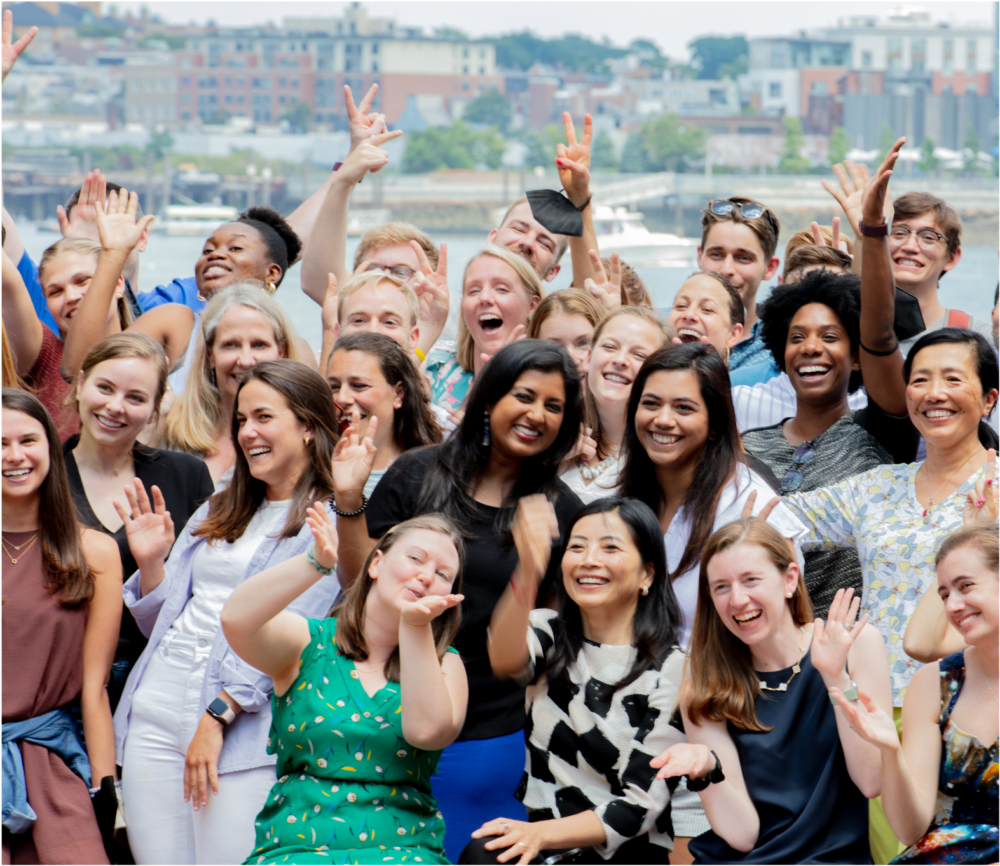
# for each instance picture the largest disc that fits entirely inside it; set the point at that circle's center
(840, 292)
(283, 244)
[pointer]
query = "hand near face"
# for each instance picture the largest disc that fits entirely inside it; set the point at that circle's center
(606, 288)
(354, 457)
(83, 224)
(427, 609)
(148, 527)
(982, 503)
(833, 639)
(431, 287)
(535, 527)
(324, 533)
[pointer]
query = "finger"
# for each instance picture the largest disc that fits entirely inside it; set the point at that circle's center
(442, 270)
(836, 233)
(99, 188)
(597, 265)
(144, 223)
(372, 428)
(133, 504)
(63, 219)
(25, 41)
(383, 137)
(366, 103)
(132, 205)
(570, 129)
(8, 26)
(765, 512)
(422, 259)
(575, 168)
(352, 109)
(817, 234)
(122, 513)
(187, 783)
(616, 270)
(833, 614)
(837, 194)
(991, 466)
(142, 497)
(213, 779)
(201, 786)
(867, 700)
(360, 269)
(159, 503)
(519, 333)
(845, 182)
(588, 130)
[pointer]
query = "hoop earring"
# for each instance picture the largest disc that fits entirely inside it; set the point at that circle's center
(486, 429)
(201, 297)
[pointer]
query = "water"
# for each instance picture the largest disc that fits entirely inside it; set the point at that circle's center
(969, 287)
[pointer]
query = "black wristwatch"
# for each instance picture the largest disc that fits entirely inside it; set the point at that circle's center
(874, 231)
(221, 711)
(712, 778)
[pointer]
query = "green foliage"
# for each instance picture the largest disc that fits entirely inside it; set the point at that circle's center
(455, 146)
(840, 145)
(571, 52)
(159, 143)
(671, 145)
(542, 145)
(298, 115)
(970, 151)
(886, 139)
(602, 152)
(97, 30)
(491, 108)
(709, 54)
(634, 157)
(792, 161)
(172, 41)
(451, 33)
(219, 116)
(732, 70)
(929, 163)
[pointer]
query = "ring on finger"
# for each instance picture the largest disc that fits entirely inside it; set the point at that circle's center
(506, 826)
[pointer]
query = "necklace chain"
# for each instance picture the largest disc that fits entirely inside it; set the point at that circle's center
(982, 667)
(17, 547)
(796, 668)
(927, 481)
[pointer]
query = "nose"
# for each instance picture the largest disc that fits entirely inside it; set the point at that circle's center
(249, 430)
(811, 345)
(665, 417)
(728, 266)
(954, 603)
(936, 388)
(536, 411)
(12, 453)
(344, 397)
(737, 595)
(487, 296)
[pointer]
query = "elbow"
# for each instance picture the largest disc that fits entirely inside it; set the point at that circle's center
(917, 651)
(871, 788)
(431, 738)
(743, 842)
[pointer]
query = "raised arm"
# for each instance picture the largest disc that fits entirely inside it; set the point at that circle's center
(929, 636)
(573, 162)
(150, 532)
(119, 235)
(24, 330)
(171, 325)
(12, 50)
(353, 459)
(605, 287)
(431, 287)
(534, 528)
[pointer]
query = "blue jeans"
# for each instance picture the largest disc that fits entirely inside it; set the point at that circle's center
(116, 682)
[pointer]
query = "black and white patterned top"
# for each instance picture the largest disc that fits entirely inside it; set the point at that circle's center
(589, 747)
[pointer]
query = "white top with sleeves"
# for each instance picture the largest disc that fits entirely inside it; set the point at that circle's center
(768, 403)
(605, 484)
(731, 501)
(589, 746)
(877, 513)
(220, 566)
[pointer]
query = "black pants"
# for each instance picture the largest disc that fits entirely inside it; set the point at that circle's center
(635, 851)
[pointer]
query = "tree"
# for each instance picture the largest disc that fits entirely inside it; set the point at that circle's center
(542, 145)
(455, 146)
(634, 157)
(671, 145)
(491, 108)
(886, 139)
(158, 144)
(709, 53)
(929, 163)
(602, 152)
(970, 151)
(839, 146)
(298, 115)
(218, 116)
(572, 52)
(792, 160)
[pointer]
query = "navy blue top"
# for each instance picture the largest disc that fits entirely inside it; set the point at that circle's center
(810, 810)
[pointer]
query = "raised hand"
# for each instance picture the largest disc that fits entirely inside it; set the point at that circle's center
(765, 512)
(117, 224)
(12, 51)
(606, 288)
(982, 503)
(94, 189)
(518, 333)
(324, 532)
(583, 451)
(353, 459)
(875, 196)
(366, 157)
(427, 609)
(431, 287)
(361, 120)
(573, 161)
(535, 527)
(148, 527)
(832, 640)
(330, 302)
(684, 759)
(852, 176)
(869, 721)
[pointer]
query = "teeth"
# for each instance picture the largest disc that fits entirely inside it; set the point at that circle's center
(256, 452)
(967, 619)
(592, 581)
(107, 422)
(685, 333)
(747, 617)
(815, 368)
(526, 431)
(619, 380)
(940, 413)
(912, 262)
(663, 439)
(490, 321)
(15, 473)
(215, 269)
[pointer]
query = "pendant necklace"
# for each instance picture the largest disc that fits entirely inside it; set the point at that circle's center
(17, 547)
(783, 687)
(927, 481)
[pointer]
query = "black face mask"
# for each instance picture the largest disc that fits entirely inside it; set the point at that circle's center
(555, 212)
(909, 321)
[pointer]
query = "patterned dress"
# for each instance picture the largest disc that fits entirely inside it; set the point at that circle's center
(964, 829)
(350, 788)
(450, 381)
(877, 513)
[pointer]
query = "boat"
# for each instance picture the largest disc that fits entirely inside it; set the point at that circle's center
(201, 219)
(360, 221)
(622, 231)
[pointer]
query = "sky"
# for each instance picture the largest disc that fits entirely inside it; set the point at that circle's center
(669, 23)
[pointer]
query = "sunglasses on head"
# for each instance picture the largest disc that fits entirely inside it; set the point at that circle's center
(751, 210)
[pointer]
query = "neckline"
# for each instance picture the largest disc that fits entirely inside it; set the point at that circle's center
(801, 662)
(354, 683)
(951, 724)
(912, 489)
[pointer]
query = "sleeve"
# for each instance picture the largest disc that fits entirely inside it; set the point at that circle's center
(829, 513)
(29, 273)
(394, 498)
(182, 290)
(645, 797)
(541, 638)
(757, 373)
(896, 435)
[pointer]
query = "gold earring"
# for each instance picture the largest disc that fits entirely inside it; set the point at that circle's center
(271, 287)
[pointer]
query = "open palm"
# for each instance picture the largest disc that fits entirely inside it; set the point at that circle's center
(869, 721)
(832, 640)
(148, 526)
(353, 458)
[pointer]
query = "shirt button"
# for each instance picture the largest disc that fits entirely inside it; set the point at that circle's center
(202, 642)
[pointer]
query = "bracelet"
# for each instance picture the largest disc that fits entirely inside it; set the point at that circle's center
(850, 693)
(891, 351)
(712, 778)
(358, 513)
(322, 569)
(97, 790)
(874, 231)
(583, 207)
(419, 354)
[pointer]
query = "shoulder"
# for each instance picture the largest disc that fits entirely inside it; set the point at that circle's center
(441, 357)
(413, 464)
(567, 503)
(101, 550)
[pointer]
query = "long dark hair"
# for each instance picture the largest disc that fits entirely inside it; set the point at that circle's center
(350, 608)
(462, 459)
(413, 424)
(657, 616)
(984, 356)
(67, 572)
(308, 396)
(719, 456)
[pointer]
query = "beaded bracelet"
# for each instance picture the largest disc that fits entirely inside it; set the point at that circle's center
(358, 513)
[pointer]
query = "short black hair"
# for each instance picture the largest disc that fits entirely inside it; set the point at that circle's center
(984, 356)
(111, 186)
(283, 244)
(840, 292)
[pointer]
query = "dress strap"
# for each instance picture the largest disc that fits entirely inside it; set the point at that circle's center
(952, 672)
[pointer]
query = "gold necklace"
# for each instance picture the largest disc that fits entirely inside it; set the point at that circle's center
(367, 670)
(782, 687)
(927, 481)
(17, 547)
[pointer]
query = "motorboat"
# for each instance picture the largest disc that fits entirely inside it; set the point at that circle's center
(201, 219)
(621, 231)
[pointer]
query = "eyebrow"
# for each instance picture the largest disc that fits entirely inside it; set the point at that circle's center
(926, 370)
(743, 250)
(611, 537)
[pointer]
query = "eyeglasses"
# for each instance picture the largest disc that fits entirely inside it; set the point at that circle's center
(751, 210)
(402, 272)
(927, 238)
(793, 477)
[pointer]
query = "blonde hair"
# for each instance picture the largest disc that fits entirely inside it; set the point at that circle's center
(84, 246)
(567, 302)
(195, 419)
(371, 279)
(805, 238)
(395, 235)
(530, 281)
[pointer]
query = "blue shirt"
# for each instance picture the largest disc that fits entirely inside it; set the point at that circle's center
(750, 361)
(182, 290)
(29, 273)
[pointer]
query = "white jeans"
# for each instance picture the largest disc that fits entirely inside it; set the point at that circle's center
(166, 710)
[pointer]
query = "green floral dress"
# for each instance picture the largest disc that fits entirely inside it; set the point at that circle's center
(350, 788)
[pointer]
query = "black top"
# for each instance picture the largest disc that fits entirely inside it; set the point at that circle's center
(184, 481)
(810, 811)
(496, 707)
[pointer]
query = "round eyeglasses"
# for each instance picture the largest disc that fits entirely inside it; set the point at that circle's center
(927, 238)
(401, 272)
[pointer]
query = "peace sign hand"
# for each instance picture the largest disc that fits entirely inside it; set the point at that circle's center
(573, 161)
(149, 528)
(366, 157)
(832, 640)
(431, 287)
(12, 51)
(876, 192)
(607, 289)
(361, 120)
(982, 503)
(353, 459)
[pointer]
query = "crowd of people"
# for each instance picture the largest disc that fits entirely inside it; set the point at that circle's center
(595, 582)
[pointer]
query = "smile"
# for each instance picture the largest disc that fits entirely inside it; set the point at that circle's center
(689, 335)
(664, 438)
(15, 473)
(215, 271)
(745, 619)
(966, 621)
(528, 433)
(104, 421)
(938, 413)
(592, 580)
(416, 593)
(812, 370)
(906, 262)
(261, 451)
(616, 379)
(490, 323)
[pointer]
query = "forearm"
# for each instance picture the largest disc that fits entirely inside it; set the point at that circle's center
(428, 712)
(583, 830)
(326, 348)
(354, 545)
(882, 373)
(24, 330)
(151, 575)
(327, 249)
(12, 245)
(929, 636)
(862, 758)
(98, 731)
(91, 323)
(507, 645)
(579, 248)
(303, 218)
(908, 815)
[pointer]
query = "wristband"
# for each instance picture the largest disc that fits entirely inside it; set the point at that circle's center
(582, 207)
(358, 513)
(851, 694)
(874, 231)
(891, 351)
(419, 354)
(322, 569)
(713, 778)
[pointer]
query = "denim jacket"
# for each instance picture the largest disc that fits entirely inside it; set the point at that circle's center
(245, 743)
(60, 731)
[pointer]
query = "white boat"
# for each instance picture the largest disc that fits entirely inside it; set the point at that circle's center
(360, 221)
(621, 231)
(202, 219)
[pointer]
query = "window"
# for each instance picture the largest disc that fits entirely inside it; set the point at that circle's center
(948, 57)
(894, 55)
(465, 52)
(465, 70)
(374, 66)
(918, 56)
(482, 53)
(295, 82)
(150, 84)
(374, 48)
(281, 82)
(229, 99)
(819, 88)
(185, 81)
(229, 81)
(239, 99)
(465, 85)
(970, 57)
(185, 115)
(262, 83)
(185, 98)
(774, 90)
(482, 70)
(281, 99)
(240, 82)
(866, 59)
